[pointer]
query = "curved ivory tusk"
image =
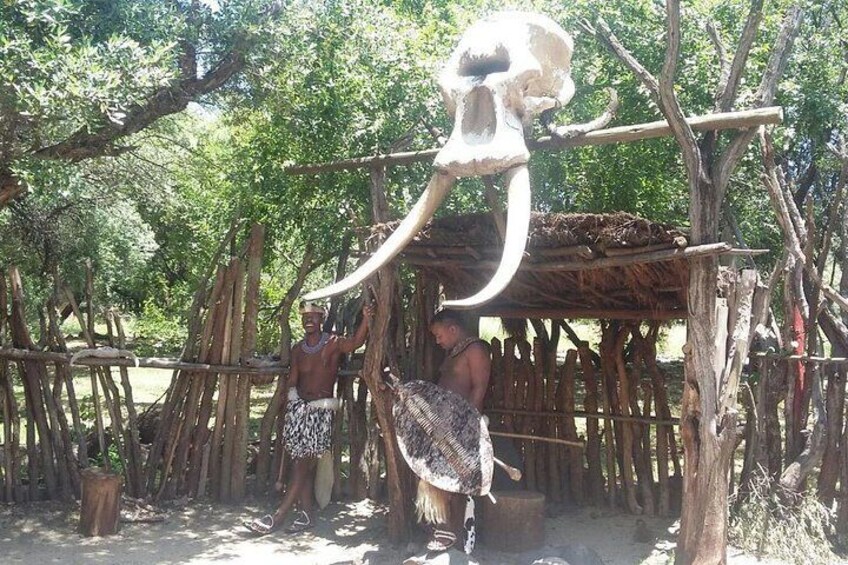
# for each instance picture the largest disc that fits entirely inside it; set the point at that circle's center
(517, 226)
(440, 184)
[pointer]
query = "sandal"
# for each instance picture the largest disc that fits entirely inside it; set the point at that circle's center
(300, 524)
(263, 525)
(442, 540)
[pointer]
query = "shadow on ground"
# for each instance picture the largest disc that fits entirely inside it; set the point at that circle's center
(345, 533)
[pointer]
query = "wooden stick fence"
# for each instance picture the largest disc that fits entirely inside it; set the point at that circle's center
(626, 459)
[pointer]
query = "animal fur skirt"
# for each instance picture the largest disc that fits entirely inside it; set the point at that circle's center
(308, 430)
(432, 504)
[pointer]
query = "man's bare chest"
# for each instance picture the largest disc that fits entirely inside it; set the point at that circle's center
(454, 375)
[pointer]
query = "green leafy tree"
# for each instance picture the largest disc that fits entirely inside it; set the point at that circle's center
(78, 77)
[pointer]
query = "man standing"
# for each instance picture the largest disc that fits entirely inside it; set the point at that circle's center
(308, 428)
(465, 371)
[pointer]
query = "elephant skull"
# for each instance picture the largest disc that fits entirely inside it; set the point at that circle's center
(507, 69)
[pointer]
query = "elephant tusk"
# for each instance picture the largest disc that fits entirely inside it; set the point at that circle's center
(517, 226)
(438, 187)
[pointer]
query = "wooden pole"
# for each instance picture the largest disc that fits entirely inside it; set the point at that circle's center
(609, 395)
(509, 379)
(177, 391)
(647, 348)
(536, 376)
(231, 383)
(64, 372)
(595, 475)
(131, 431)
(532, 438)
(525, 392)
(20, 354)
(641, 436)
(551, 426)
(95, 396)
(223, 336)
(660, 128)
(248, 346)
(627, 429)
(644, 420)
(32, 374)
(192, 418)
(11, 421)
(377, 352)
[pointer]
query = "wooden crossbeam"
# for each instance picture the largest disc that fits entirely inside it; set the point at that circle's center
(529, 312)
(149, 362)
(743, 119)
(584, 265)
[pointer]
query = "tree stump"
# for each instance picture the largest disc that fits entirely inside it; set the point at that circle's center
(515, 522)
(101, 502)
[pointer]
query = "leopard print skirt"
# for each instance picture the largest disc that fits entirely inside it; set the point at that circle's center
(308, 430)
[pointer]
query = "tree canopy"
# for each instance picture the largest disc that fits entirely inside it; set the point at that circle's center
(103, 157)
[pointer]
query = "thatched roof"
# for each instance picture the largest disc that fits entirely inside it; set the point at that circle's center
(576, 265)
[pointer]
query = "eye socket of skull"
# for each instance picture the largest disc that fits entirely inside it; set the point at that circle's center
(477, 65)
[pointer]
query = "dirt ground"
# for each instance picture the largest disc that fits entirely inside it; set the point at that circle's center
(353, 533)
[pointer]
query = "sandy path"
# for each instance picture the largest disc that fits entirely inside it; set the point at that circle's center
(346, 533)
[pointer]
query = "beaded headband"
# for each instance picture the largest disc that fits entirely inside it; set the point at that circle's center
(312, 308)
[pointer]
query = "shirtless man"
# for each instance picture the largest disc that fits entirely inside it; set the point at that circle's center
(464, 371)
(308, 428)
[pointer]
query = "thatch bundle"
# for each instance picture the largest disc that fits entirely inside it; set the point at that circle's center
(600, 231)
(580, 265)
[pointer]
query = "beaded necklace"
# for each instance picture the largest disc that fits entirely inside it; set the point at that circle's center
(460, 347)
(312, 349)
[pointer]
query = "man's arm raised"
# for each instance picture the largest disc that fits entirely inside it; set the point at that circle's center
(351, 344)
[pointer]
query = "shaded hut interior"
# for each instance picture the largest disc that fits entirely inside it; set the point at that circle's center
(589, 423)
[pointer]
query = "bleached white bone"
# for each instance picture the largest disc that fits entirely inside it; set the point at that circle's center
(507, 68)
(104, 353)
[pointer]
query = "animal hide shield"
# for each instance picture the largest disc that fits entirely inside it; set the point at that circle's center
(442, 438)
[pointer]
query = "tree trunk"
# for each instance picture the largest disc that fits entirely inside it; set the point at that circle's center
(376, 352)
(101, 502)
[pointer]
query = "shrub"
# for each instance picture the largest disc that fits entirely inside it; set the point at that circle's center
(156, 333)
(772, 522)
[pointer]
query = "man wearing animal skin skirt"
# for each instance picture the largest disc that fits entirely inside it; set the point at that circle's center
(465, 371)
(311, 407)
